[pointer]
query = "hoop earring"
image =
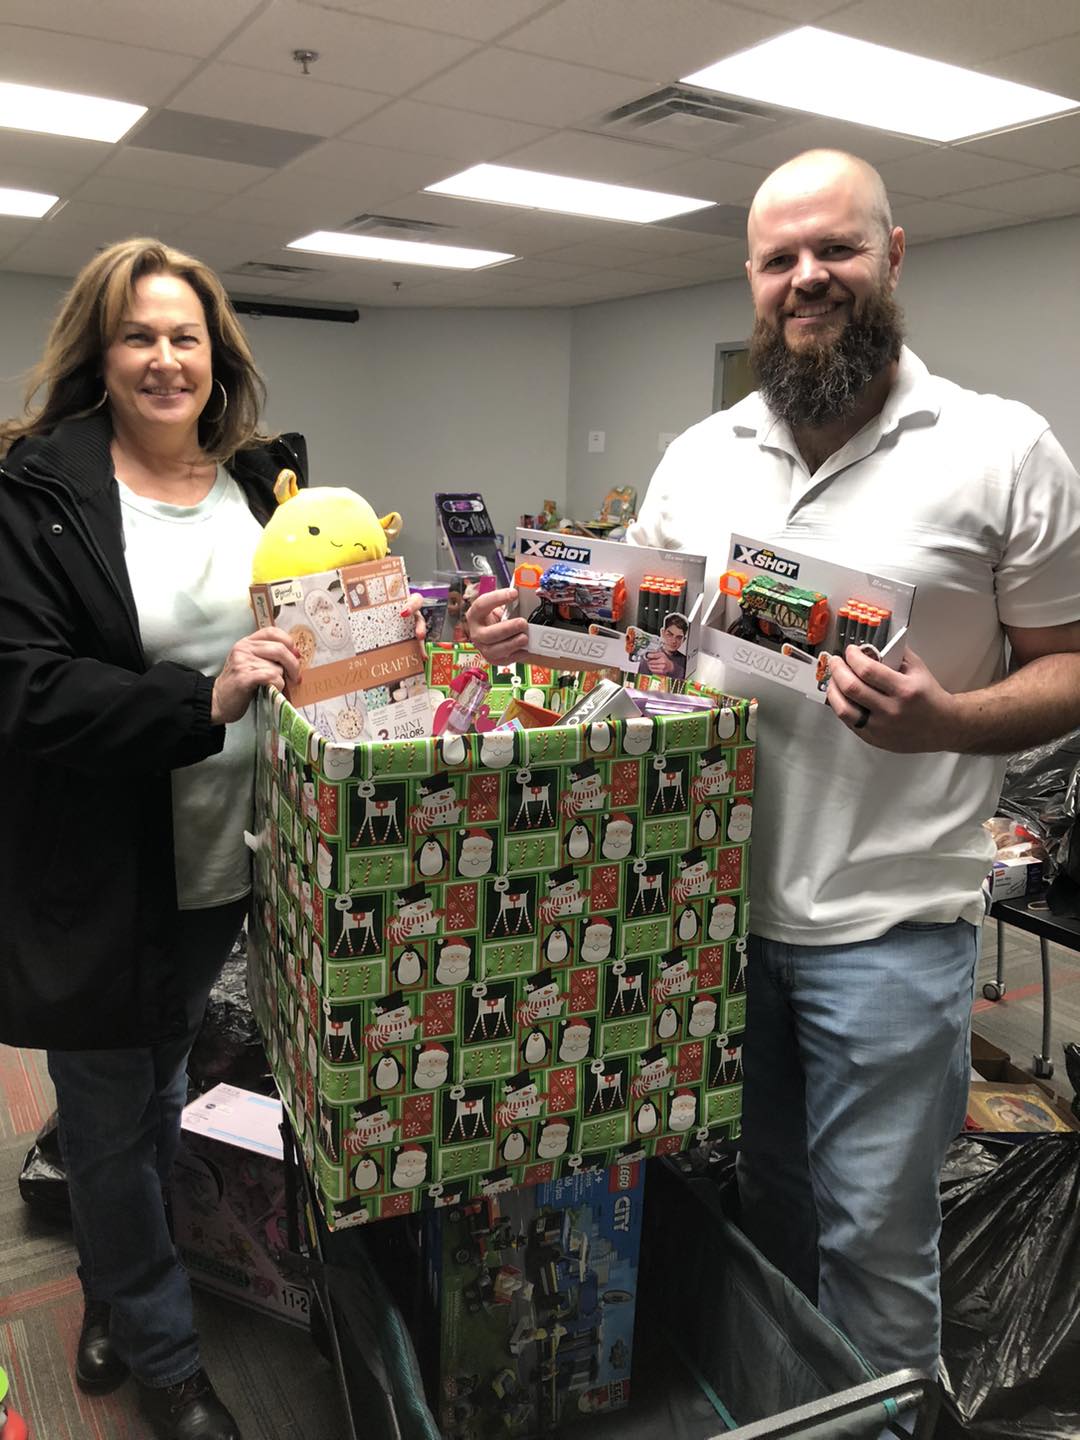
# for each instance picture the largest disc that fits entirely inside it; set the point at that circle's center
(100, 403)
(224, 404)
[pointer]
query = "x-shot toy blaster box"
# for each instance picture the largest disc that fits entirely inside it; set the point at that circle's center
(782, 615)
(610, 604)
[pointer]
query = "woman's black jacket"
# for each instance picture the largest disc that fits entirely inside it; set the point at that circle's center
(89, 734)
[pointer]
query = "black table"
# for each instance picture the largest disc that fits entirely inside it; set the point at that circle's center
(1031, 913)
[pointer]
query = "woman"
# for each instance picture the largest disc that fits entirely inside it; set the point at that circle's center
(130, 505)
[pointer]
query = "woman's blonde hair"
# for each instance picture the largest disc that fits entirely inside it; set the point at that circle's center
(70, 370)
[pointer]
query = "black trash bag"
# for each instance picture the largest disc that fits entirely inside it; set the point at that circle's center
(1072, 1069)
(228, 1049)
(969, 1159)
(1010, 1290)
(43, 1179)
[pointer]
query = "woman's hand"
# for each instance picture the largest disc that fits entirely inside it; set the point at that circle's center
(268, 657)
(499, 640)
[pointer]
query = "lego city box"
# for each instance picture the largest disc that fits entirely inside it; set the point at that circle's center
(362, 668)
(535, 1293)
(228, 1201)
(625, 606)
(501, 956)
(780, 615)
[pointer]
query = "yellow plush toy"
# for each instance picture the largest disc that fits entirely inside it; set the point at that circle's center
(319, 529)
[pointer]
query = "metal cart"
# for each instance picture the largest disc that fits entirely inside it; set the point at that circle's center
(1031, 913)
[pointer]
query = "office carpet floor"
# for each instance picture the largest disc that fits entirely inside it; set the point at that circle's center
(270, 1374)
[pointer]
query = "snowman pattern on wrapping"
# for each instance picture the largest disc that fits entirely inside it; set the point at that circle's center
(472, 1014)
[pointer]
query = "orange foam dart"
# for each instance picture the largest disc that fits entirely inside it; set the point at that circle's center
(522, 573)
(732, 583)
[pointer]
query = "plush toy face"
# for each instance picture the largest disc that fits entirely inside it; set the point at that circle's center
(321, 529)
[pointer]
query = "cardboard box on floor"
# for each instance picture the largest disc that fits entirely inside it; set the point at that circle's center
(228, 1198)
(993, 1063)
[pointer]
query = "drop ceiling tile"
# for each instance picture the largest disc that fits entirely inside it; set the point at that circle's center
(803, 12)
(66, 242)
(527, 232)
(156, 166)
(390, 172)
(477, 20)
(527, 270)
(1050, 145)
(197, 27)
(723, 181)
(13, 232)
(437, 130)
(657, 43)
(311, 205)
(1031, 199)
(142, 195)
(961, 32)
(526, 87)
(231, 92)
(1054, 66)
(247, 287)
(721, 259)
(223, 243)
(946, 172)
(599, 253)
(207, 137)
(90, 67)
(592, 157)
(935, 219)
(50, 154)
(772, 146)
(468, 216)
(354, 51)
(30, 177)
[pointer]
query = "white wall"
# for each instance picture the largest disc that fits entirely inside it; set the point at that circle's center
(399, 405)
(998, 311)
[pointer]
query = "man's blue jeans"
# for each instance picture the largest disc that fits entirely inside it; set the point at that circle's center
(857, 1060)
(119, 1131)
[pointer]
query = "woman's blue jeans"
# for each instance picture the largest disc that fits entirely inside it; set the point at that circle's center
(857, 1060)
(119, 1114)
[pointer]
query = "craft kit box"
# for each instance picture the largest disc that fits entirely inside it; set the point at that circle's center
(363, 675)
(535, 1294)
(609, 604)
(779, 615)
(494, 959)
(228, 1201)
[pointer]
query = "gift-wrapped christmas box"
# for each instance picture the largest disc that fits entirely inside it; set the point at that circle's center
(492, 959)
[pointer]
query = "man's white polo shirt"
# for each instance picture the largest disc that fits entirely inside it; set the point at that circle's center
(970, 498)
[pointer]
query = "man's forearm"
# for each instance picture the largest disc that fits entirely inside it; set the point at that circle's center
(1035, 704)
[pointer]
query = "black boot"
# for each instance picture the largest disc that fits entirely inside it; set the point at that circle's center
(192, 1411)
(98, 1368)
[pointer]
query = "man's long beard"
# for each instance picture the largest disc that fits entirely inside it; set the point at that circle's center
(824, 381)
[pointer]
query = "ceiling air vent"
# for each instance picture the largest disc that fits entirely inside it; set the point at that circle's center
(394, 227)
(682, 109)
(257, 270)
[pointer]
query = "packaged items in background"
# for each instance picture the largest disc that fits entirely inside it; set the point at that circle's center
(535, 1292)
(465, 531)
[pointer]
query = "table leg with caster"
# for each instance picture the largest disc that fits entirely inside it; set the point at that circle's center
(995, 989)
(1042, 1064)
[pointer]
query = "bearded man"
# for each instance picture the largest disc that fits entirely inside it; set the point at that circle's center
(869, 853)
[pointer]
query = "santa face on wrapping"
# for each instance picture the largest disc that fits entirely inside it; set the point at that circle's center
(409, 1167)
(682, 1114)
(618, 839)
(476, 854)
(454, 963)
(740, 820)
(496, 750)
(575, 1041)
(554, 1139)
(702, 1016)
(431, 1067)
(637, 735)
(722, 919)
(596, 941)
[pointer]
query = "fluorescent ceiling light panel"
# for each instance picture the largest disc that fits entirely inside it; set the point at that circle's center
(58, 112)
(398, 252)
(30, 203)
(834, 75)
(535, 190)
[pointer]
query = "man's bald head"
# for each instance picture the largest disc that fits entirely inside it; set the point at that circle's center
(814, 171)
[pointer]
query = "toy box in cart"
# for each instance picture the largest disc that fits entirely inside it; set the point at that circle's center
(488, 959)
(362, 669)
(781, 615)
(465, 531)
(535, 1291)
(609, 604)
